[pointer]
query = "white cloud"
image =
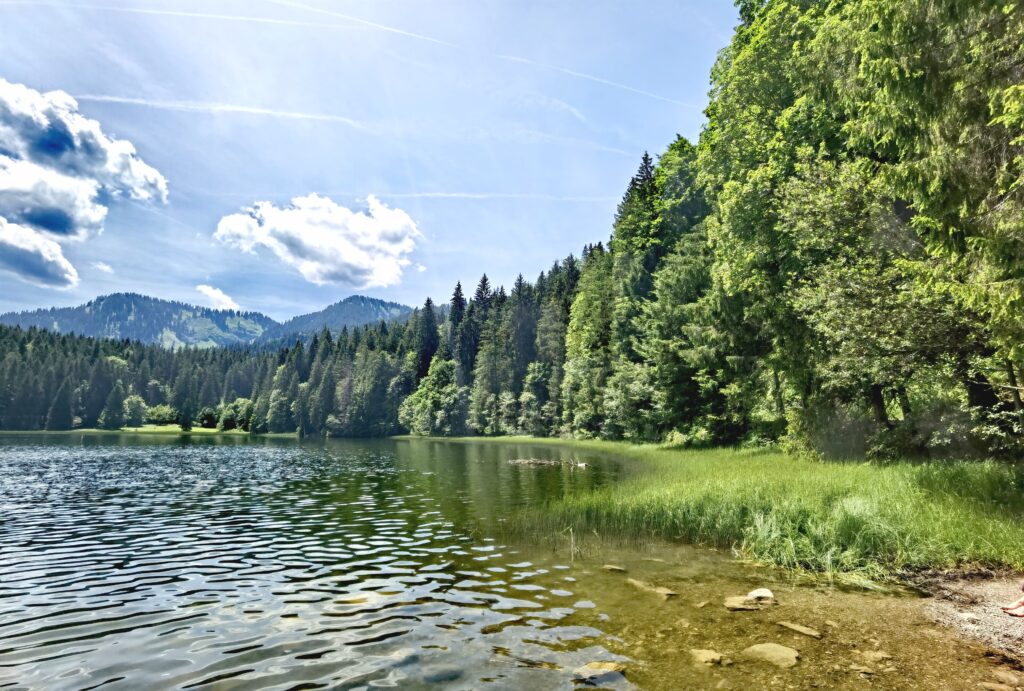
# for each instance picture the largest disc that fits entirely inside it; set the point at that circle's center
(326, 242)
(34, 257)
(104, 267)
(58, 174)
(217, 298)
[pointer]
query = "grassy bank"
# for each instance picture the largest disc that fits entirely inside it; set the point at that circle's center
(849, 520)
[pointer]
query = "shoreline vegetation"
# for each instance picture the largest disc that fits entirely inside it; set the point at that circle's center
(849, 521)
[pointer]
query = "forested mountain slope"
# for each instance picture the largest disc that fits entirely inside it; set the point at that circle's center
(150, 320)
(355, 310)
(174, 324)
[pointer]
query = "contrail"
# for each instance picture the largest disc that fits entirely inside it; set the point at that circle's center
(352, 20)
(214, 108)
(593, 78)
(511, 58)
(181, 13)
(471, 196)
(364, 22)
(539, 196)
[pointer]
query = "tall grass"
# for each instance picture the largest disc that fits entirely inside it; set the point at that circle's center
(850, 520)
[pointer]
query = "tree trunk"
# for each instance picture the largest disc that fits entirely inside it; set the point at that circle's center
(780, 406)
(901, 394)
(877, 400)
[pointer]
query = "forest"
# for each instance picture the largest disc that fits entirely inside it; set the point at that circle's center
(837, 264)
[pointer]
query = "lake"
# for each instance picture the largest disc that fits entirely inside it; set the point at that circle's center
(141, 562)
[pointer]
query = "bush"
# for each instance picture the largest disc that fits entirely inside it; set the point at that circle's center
(134, 411)
(207, 418)
(161, 414)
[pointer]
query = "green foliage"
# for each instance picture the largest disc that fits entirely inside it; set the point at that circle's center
(161, 414)
(438, 406)
(134, 411)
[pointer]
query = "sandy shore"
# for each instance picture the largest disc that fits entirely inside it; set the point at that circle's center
(972, 607)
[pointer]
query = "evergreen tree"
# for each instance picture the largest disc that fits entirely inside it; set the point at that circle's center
(60, 416)
(112, 416)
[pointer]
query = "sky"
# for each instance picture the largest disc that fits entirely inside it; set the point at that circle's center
(280, 155)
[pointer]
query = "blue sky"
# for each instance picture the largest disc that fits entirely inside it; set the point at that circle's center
(396, 145)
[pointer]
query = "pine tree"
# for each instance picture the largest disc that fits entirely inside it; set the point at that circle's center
(427, 338)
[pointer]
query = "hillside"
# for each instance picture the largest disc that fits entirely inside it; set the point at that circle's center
(151, 320)
(355, 310)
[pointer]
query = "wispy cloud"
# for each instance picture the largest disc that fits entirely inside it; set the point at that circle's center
(103, 266)
(217, 108)
(351, 21)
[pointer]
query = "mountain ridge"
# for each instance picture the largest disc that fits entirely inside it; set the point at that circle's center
(175, 324)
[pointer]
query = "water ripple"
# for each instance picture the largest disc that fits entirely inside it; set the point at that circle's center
(246, 566)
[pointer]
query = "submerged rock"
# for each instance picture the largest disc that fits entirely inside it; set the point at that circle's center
(779, 655)
(754, 600)
(1005, 676)
(804, 630)
(534, 461)
(740, 604)
(651, 588)
(594, 672)
(875, 655)
(614, 569)
(706, 657)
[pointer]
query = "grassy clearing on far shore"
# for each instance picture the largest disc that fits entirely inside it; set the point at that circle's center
(854, 521)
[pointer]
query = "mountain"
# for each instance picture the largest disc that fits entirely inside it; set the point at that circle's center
(151, 320)
(175, 324)
(356, 310)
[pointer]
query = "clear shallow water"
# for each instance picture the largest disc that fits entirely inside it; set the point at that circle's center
(271, 565)
(224, 563)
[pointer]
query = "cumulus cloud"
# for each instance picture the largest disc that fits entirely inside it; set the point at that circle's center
(326, 242)
(58, 173)
(34, 257)
(217, 298)
(104, 267)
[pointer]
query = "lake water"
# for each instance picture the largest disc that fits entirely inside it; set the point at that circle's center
(135, 562)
